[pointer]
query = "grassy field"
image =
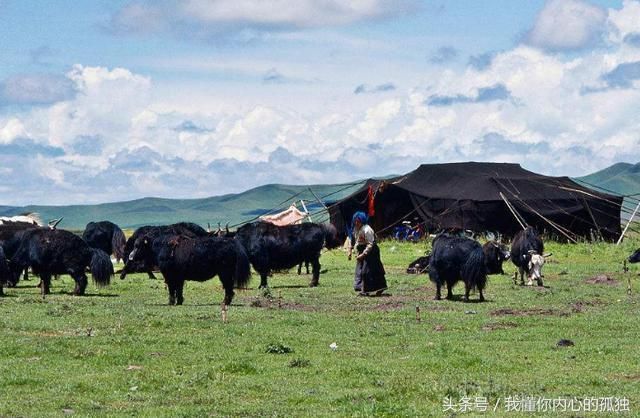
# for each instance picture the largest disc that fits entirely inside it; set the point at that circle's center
(121, 351)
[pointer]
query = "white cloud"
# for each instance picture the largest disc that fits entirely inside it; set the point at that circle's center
(12, 129)
(555, 114)
(248, 18)
(624, 21)
(567, 25)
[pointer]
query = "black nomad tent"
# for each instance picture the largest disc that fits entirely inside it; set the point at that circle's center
(483, 197)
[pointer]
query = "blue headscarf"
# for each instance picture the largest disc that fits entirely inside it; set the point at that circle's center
(360, 216)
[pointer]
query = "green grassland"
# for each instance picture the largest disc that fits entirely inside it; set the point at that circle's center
(122, 351)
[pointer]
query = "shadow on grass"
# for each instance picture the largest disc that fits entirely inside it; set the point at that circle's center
(460, 298)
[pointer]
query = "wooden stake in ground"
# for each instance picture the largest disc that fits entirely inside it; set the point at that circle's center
(417, 313)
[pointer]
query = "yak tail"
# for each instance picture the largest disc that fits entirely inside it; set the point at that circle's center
(474, 270)
(242, 274)
(101, 267)
(118, 242)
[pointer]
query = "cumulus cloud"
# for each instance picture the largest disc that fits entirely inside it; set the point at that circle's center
(35, 89)
(624, 22)
(204, 18)
(567, 25)
(524, 105)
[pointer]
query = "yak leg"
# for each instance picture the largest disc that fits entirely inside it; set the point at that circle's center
(227, 284)
(449, 291)
(1, 290)
(151, 276)
(178, 291)
(81, 284)
(300, 269)
(467, 289)
(45, 284)
(521, 270)
(315, 264)
(438, 291)
(172, 293)
(25, 276)
(263, 280)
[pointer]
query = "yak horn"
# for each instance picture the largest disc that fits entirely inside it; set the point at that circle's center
(54, 223)
(208, 227)
(547, 255)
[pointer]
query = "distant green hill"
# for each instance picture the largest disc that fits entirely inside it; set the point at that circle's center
(620, 178)
(230, 208)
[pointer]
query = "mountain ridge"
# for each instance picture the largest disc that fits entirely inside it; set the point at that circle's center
(233, 208)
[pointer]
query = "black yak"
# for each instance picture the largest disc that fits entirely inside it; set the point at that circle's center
(419, 265)
(456, 258)
(271, 247)
(495, 254)
(183, 258)
(106, 236)
(54, 252)
(635, 257)
(152, 232)
(11, 229)
(527, 254)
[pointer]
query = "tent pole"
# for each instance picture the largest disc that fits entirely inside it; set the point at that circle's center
(512, 210)
(318, 199)
(593, 219)
(306, 211)
(628, 223)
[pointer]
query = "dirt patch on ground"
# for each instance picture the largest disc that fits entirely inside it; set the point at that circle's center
(602, 279)
(529, 312)
(581, 305)
(499, 325)
(281, 304)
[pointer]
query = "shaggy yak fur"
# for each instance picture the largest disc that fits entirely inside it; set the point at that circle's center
(10, 231)
(53, 252)
(525, 244)
(271, 247)
(457, 258)
(186, 229)
(183, 258)
(106, 236)
(420, 265)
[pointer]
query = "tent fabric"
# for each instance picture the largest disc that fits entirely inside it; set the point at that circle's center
(470, 196)
(289, 216)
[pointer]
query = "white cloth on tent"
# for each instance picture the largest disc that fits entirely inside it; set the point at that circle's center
(290, 216)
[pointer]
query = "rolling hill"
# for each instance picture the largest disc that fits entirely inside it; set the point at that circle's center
(230, 208)
(622, 178)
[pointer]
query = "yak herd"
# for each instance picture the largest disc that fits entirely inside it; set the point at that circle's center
(186, 251)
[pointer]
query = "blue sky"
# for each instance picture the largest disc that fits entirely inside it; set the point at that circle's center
(115, 100)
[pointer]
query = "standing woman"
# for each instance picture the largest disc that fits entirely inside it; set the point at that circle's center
(369, 276)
